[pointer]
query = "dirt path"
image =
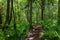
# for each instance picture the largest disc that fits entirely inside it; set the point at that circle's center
(34, 34)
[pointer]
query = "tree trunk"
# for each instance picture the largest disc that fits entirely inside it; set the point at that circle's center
(10, 18)
(8, 9)
(30, 12)
(42, 9)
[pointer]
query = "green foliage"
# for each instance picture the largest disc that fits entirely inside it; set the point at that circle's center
(51, 29)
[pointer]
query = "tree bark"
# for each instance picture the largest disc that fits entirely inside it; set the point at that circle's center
(10, 18)
(8, 9)
(30, 12)
(42, 9)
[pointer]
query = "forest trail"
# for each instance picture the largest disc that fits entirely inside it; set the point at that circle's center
(34, 34)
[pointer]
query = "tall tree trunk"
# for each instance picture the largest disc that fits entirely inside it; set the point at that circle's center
(10, 18)
(30, 11)
(7, 19)
(7, 16)
(8, 9)
(42, 11)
